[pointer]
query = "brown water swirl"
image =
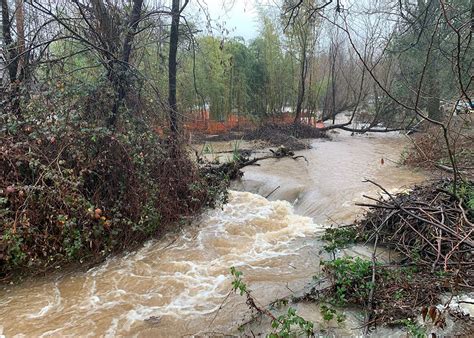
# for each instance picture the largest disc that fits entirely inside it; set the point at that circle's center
(174, 286)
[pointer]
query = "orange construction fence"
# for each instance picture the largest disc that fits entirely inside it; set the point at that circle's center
(203, 123)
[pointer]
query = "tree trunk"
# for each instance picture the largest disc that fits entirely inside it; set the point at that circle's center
(333, 83)
(11, 57)
(120, 73)
(472, 16)
(433, 86)
(132, 29)
(172, 65)
(106, 28)
(434, 93)
(20, 31)
(12, 61)
(302, 85)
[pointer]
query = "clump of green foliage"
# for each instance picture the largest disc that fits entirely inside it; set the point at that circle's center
(391, 291)
(237, 283)
(414, 329)
(466, 195)
(352, 279)
(330, 313)
(339, 238)
(291, 324)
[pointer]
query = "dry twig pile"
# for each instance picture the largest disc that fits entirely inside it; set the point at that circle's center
(429, 226)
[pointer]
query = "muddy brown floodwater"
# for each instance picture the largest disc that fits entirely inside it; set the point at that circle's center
(174, 286)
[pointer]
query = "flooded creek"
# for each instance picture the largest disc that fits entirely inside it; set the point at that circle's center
(175, 285)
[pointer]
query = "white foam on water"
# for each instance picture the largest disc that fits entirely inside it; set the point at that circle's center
(186, 279)
(248, 231)
(52, 304)
(112, 330)
(462, 304)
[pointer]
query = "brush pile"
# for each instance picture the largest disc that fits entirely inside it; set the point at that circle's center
(431, 226)
(291, 136)
(288, 135)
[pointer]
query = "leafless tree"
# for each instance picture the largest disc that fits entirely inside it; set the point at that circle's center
(176, 11)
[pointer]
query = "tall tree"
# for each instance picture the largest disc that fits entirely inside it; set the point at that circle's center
(20, 31)
(172, 63)
(274, 68)
(14, 51)
(301, 30)
(420, 55)
(121, 76)
(8, 42)
(99, 26)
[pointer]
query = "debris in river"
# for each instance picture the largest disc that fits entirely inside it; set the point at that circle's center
(291, 136)
(154, 320)
(429, 226)
(433, 230)
(232, 170)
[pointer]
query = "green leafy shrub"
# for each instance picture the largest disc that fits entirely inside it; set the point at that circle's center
(291, 324)
(330, 313)
(415, 330)
(466, 194)
(73, 189)
(352, 279)
(339, 238)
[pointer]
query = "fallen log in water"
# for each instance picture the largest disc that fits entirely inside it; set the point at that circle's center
(232, 170)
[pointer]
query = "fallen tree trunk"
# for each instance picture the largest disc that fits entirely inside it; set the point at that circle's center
(232, 170)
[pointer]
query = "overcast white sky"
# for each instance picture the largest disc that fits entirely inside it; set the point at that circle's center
(240, 16)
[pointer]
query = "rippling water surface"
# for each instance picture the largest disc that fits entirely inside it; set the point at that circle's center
(174, 286)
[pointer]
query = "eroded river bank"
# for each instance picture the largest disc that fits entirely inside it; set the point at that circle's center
(174, 286)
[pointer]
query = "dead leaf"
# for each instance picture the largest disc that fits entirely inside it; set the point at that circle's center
(424, 312)
(433, 312)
